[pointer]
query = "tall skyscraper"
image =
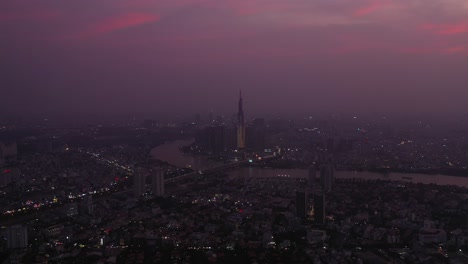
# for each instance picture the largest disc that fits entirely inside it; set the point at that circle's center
(319, 208)
(326, 177)
(86, 206)
(157, 182)
(255, 135)
(240, 125)
(215, 139)
(301, 204)
(311, 177)
(230, 138)
(139, 182)
(17, 236)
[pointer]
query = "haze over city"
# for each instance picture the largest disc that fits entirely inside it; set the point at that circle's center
(234, 131)
(187, 56)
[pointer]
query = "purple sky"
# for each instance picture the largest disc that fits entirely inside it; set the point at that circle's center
(117, 56)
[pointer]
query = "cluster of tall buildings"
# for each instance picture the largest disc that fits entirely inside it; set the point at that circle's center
(157, 182)
(220, 138)
(316, 189)
(319, 208)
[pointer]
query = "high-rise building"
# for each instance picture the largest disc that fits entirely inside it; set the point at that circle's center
(157, 182)
(230, 138)
(319, 208)
(139, 182)
(17, 236)
(301, 204)
(249, 137)
(240, 125)
(255, 135)
(86, 206)
(215, 139)
(326, 177)
(311, 177)
(259, 133)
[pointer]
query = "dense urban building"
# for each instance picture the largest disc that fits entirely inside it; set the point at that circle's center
(77, 198)
(234, 131)
(139, 182)
(17, 237)
(311, 177)
(223, 136)
(86, 206)
(319, 208)
(301, 204)
(255, 135)
(157, 182)
(215, 139)
(326, 177)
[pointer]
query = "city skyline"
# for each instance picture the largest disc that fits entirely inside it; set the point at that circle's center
(234, 131)
(145, 190)
(187, 56)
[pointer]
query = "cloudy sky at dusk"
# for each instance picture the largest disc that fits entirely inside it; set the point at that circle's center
(143, 56)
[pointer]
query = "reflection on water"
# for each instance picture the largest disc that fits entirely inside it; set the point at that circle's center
(301, 173)
(170, 153)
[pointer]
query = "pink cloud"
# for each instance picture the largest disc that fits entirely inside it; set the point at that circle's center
(447, 29)
(453, 50)
(436, 49)
(160, 5)
(417, 50)
(371, 7)
(237, 7)
(252, 8)
(356, 43)
(118, 23)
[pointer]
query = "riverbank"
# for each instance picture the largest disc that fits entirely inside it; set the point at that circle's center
(449, 172)
(402, 177)
(170, 153)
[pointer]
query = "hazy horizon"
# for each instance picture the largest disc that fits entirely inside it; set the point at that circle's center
(193, 56)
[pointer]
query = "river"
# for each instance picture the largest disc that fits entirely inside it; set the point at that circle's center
(170, 153)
